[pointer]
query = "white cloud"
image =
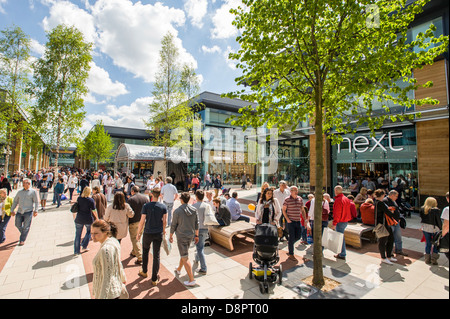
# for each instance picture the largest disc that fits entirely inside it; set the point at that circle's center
(36, 47)
(222, 20)
(231, 63)
(2, 2)
(214, 49)
(65, 12)
(132, 115)
(131, 34)
(196, 10)
(99, 82)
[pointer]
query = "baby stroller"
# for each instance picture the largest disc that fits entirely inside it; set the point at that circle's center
(265, 254)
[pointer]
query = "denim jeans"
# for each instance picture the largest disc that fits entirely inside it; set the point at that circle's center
(295, 232)
(4, 222)
(87, 237)
(71, 192)
(428, 244)
(23, 223)
(340, 228)
(147, 241)
(200, 256)
(397, 230)
(58, 200)
(169, 212)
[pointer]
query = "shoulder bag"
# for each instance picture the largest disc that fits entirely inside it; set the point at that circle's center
(380, 229)
(74, 208)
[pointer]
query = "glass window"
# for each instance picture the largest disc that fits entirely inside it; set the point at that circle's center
(422, 28)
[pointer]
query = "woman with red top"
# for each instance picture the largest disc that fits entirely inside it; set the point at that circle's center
(367, 210)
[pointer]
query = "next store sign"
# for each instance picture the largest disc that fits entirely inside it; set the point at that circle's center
(362, 144)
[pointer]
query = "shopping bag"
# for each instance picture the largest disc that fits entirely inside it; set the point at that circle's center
(210, 218)
(332, 240)
(167, 246)
(63, 197)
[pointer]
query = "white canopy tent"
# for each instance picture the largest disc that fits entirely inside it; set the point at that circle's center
(131, 153)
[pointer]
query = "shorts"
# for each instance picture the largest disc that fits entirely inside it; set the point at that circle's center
(183, 246)
(43, 195)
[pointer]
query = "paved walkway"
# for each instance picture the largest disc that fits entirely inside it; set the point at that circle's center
(45, 267)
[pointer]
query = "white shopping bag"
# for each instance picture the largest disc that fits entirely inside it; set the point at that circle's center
(332, 240)
(210, 219)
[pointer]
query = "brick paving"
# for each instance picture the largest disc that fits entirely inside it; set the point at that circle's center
(45, 267)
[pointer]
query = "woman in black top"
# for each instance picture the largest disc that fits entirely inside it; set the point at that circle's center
(431, 225)
(85, 217)
(385, 244)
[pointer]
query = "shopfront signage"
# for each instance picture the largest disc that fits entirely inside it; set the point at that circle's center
(362, 144)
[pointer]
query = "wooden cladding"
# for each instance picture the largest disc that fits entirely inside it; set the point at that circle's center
(436, 73)
(433, 156)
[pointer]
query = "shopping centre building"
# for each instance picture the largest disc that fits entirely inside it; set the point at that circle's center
(415, 150)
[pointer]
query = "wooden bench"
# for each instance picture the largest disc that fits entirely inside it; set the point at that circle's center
(223, 235)
(355, 232)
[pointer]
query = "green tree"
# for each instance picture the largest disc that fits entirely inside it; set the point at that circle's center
(330, 63)
(97, 145)
(60, 85)
(170, 110)
(14, 79)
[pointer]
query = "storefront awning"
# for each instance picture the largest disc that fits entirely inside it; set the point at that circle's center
(143, 153)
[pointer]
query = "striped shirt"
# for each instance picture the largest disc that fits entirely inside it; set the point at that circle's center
(293, 208)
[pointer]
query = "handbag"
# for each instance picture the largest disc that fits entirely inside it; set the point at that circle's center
(74, 208)
(402, 222)
(280, 231)
(380, 230)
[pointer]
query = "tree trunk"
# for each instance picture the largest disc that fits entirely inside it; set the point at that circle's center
(318, 279)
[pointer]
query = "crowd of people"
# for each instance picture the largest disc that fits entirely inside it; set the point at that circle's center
(111, 206)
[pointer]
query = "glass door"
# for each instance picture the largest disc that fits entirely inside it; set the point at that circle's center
(406, 175)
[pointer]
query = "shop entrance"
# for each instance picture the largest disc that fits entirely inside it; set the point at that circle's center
(404, 173)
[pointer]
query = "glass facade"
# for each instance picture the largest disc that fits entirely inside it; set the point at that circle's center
(390, 154)
(422, 28)
(231, 162)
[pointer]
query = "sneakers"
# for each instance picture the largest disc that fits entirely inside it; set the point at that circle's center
(393, 259)
(189, 283)
(177, 272)
(142, 274)
(387, 261)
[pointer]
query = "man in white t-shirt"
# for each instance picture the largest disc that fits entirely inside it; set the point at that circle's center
(169, 194)
(281, 194)
(72, 184)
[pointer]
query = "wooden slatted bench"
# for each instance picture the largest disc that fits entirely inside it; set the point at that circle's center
(355, 232)
(223, 235)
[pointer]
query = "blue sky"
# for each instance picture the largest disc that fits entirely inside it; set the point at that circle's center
(127, 36)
